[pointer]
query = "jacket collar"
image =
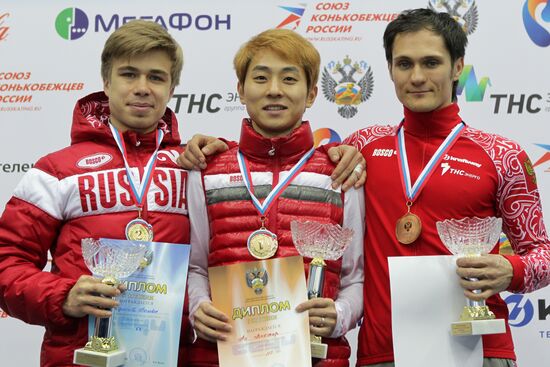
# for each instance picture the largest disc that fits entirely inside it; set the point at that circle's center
(291, 146)
(434, 123)
(91, 118)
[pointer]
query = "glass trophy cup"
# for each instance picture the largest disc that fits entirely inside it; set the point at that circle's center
(111, 260)
(320, 242)
(473, 237)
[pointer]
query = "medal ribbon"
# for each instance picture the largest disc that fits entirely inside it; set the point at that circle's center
(412, 192)
(138, 189)
(264, 207)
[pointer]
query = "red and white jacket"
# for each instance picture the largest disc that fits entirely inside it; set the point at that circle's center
(481, 175)
(223, 216)
(78, 192)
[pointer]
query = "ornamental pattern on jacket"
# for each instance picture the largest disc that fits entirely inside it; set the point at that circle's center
(518, 200)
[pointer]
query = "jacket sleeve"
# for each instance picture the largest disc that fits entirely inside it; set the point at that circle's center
(349, 304)
(520, 207)
(198, 285)
(29, 228)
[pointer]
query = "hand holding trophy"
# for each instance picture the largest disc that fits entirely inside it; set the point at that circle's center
(320, 242)
(112, 260)
(473, 237)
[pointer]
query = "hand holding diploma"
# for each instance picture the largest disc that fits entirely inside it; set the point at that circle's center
(210, 323)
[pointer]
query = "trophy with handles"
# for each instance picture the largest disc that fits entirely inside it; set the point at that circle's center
(320, 242)
(473, 237)
(112, 260)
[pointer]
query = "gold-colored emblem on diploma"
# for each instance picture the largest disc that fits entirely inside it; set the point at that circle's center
(256, 279)
(320, 242)
(471, 237)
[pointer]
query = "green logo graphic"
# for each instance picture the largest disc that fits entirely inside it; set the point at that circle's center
(474, 91)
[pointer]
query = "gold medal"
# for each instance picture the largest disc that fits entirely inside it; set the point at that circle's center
(262, 244)
(139, 230)
(408, 228)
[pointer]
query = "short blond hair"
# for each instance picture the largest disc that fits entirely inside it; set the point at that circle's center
(138, 37)
(287, 44)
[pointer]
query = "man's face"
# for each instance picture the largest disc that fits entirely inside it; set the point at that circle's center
(275, 94)
(421, 71)
(139, 89)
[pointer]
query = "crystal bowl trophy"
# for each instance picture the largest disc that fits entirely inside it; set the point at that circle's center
(473, 237)
(320, 242)
(111, 260)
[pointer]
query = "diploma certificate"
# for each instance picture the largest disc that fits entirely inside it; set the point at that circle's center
(147, 323)
(259, 298)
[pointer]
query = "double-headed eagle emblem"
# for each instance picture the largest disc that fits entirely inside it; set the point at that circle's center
(347, 92)
(464, 12)
(256, 279)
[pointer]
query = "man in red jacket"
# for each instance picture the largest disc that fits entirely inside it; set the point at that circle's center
(84, 191)
(474, 174)
(478, 174)
(277, 74)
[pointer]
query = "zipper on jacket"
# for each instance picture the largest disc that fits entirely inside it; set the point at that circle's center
(141, 156)
(272, 216)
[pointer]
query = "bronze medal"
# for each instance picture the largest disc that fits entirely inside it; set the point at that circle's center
(408, 228)
(139, 230)
(262, 244)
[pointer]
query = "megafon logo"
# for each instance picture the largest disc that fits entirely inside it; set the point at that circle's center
(521, 310)
(71, 23)
(325, 136)
(292, 21)
(463, 11)
(467, 80)
(536, 12)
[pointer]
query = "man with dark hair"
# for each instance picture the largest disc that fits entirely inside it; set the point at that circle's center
(413, 21)
(425, 55)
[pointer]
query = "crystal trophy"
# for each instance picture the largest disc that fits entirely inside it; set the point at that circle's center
(111, 260)
(473, 237)
(320, 242)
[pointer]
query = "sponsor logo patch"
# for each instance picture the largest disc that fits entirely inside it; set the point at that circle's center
(384, 152)
(236, 178)
(94, 160)
(446, 168)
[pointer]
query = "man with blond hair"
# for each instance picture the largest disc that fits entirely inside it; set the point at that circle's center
(281, 177)
(88, 190)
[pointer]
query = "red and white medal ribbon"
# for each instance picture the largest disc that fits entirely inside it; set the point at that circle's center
(264, 207)
(413, 191)
(138, 229)
(409, 227)
(262, 243)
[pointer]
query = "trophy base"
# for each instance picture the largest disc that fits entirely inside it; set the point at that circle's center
(318, 349)
(92, 358)
(478, 327)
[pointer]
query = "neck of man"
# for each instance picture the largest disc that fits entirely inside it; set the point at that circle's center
(123, 127)
(274, 134)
